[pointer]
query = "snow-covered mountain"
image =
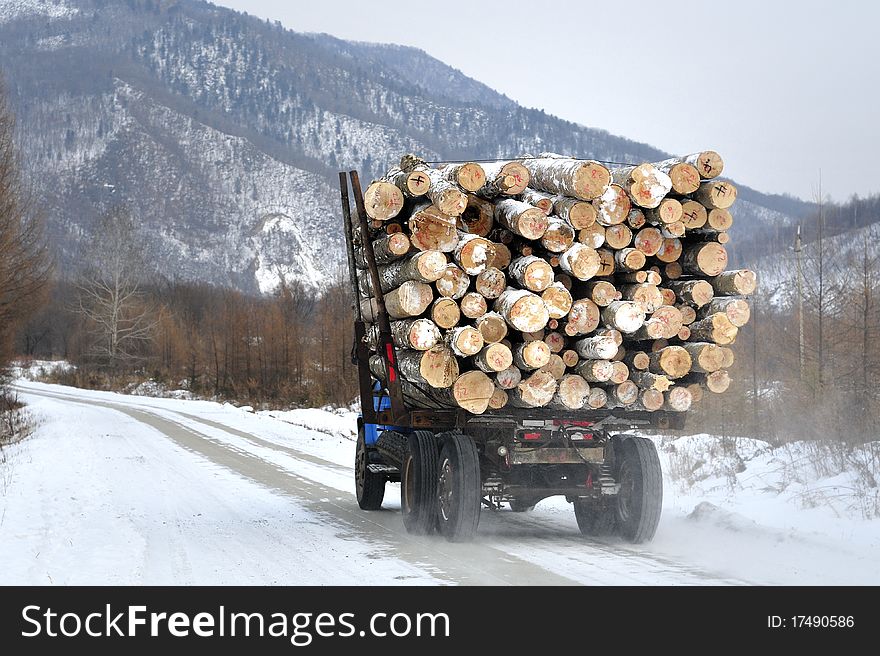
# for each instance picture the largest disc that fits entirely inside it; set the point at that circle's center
(223, 133)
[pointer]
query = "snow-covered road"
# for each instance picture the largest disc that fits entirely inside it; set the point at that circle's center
(132, 490)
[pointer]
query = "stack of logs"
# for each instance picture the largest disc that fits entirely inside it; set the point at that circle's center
(554, 281)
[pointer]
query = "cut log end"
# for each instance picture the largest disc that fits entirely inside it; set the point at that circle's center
(472, 391)
(383, 201)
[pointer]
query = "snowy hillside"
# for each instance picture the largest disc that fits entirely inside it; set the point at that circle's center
(224, 133)
(17, 9)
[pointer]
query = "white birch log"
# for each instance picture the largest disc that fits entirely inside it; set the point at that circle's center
(625, 316)
(453, 283)
(493, 358)
(581, 179)
(531, 355)
(613, 206)
(521, 218)
(522, 310)
(580, 261)
(409, 300)
(645, 185)
(490, 282)
(473, 253)
(470, 176)
(446, 195)
(532, 273)
(535, 391)
(558, 300)
(571, 394)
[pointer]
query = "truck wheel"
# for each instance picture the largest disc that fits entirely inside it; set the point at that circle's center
(594, 519)
(521, 505)
(458, 487)
(641, 489)
(369, 486)
(418, 484)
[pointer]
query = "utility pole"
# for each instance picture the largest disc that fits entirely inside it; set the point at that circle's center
(798, 247)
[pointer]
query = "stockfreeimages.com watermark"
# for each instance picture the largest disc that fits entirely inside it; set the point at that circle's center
(300, 628)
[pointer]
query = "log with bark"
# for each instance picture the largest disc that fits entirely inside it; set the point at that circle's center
(579, 214)
(716, 194)
(445, 312)
(715, 328)
(646, 185)
(445, 195)
(473, 253)
(558, 300)
(536, 391)
(470, 176)
(493, 358)
(540, 199)
(413, 182)
(571, 394)
(492, 327)
(736, 309)
(677, 399)
(523, 310)
(566, 176)
(478, 217)
(432, 230)
(735, 283)
(692, 292)
(504, 178)
(708, 163)
(409, 300)
(559, 235)
(672, 361)
(532, 273)
(684, 175)
(473, 305)
(613, 206)
(508, 378)
(383, 201)
(521, 218)
(453, 283)
(706, 357)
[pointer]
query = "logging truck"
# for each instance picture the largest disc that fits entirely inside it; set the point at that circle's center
(451, 463)
(522, 320)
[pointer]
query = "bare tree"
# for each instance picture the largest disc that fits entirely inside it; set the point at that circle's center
(25, 266)
(120, 319)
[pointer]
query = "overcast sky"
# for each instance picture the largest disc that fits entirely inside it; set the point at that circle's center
(783, 90)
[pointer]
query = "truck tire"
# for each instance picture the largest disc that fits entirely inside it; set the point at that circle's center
(418, 484)
(459, 488)
(369, 486)
(595, 519)
(640, 497)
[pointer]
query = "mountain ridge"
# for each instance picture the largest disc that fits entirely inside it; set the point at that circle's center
(207, 122)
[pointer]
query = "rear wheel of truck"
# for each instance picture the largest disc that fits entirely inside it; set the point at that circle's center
(418, 484)
(641, 489)
(459, 488)
(369, 486)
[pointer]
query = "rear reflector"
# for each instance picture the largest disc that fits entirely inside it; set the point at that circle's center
(532, 436)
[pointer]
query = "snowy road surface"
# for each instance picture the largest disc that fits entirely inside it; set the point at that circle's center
(117, 489)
